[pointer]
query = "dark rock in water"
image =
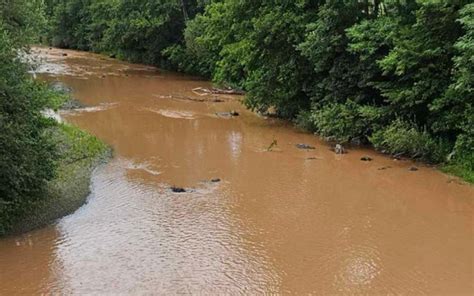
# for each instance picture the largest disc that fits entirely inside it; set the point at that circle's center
(177, 189)
(60, 87)
(339, 149)
(366, 158)
(305, 146)
(234, 113)
(311, 158)
(64, 54)
(215, 180)
(384, 168)
(413, 169)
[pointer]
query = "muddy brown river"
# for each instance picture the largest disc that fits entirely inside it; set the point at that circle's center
(286, 221)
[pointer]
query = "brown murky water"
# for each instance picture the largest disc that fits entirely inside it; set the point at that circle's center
(286, 221)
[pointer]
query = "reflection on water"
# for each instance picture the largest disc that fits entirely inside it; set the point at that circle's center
(286, 221)
(174, 243)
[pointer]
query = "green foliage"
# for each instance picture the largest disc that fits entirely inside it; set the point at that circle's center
(336, 70)
(403, 138)
(78, 154)
(141, 31)
(419, 65)
(343, 122)
(27, 154)
(75, 145)
(23, 19)
(462, 158)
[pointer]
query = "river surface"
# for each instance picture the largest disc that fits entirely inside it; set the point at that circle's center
(286, 221)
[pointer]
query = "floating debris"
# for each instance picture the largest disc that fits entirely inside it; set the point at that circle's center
(274, 143)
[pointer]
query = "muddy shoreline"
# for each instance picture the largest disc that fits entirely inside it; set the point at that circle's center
(66, 193)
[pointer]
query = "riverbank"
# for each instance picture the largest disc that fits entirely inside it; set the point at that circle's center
(80, 153)
(406, 142)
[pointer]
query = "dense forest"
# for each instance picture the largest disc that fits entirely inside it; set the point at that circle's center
(396, 74)
(27, 152)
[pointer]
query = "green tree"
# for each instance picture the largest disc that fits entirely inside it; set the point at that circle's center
(27, 153)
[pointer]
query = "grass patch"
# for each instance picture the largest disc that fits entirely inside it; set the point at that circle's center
(460, 171)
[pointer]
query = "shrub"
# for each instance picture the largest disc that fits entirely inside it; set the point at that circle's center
(403, 138)
(343, 122)
(27, 153)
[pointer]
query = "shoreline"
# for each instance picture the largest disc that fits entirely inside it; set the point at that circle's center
(81, 154)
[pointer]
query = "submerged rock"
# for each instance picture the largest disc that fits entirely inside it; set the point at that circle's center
(177, 189)
(366, 158)
(215, 180)
(413, 169)
(384, 168)
(304, 146)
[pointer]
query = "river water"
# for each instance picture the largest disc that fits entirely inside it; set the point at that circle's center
(285, 221)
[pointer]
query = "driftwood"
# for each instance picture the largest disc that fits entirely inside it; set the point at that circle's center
(188, 98)
(201, 91)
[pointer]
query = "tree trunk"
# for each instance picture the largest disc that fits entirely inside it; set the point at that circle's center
(185, 13)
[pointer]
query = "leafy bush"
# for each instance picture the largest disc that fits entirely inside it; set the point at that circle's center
(403, 138)
(304, 121)
(343, 122)
(27, 153)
